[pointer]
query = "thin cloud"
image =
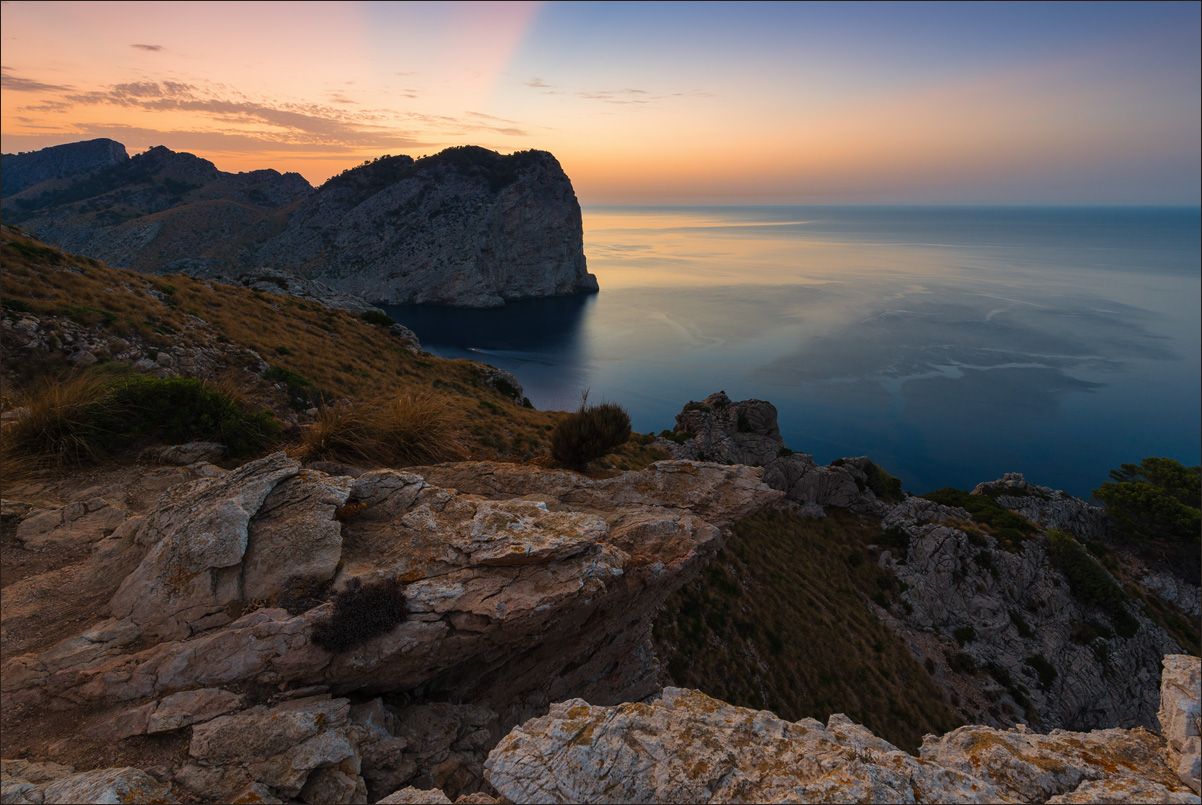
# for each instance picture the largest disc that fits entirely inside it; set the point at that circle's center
(16, 83)
(538, 83)
(150, 48)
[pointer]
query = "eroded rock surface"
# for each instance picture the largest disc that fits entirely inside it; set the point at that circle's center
(523, 586)
(1180, 716)
(684, 746)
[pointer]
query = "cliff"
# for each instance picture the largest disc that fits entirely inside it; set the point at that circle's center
(466, 227)
(1013, 617)
(63, 162)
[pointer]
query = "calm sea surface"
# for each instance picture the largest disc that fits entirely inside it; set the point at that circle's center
(949, 344)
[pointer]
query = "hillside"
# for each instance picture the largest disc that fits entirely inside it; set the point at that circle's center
(63, 314)
(465, 227)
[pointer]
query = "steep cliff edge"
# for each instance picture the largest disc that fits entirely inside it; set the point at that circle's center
(64, 162)
(1014, 618)
(465, 227)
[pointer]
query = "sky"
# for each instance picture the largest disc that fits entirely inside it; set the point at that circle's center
(642, 103)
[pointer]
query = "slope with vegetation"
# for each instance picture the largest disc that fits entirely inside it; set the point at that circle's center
(342, 386)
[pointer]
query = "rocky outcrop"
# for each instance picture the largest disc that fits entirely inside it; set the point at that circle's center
(274, 280)
(998, 624)
(467, 227)
(1046, 507)
(683, 746)
(21, 171)
(523, 586)
(746, 432)
(1180, 717)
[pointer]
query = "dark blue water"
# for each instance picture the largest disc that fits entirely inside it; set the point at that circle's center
(949, 344)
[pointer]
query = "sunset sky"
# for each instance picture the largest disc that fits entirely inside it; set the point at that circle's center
(840, 103)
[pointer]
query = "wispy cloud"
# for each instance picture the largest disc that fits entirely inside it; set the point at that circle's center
(628, 96)
(150, 48)
(16, 83)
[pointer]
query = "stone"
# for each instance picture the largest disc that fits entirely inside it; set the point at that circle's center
(197, 536)
(684, 746)
(1180, 716)
(125, 785)
(416, 796)
(184, 454)
(280, 747)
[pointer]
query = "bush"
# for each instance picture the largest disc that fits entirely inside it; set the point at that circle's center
(361, 612)
(883, 485)
(83, 417)
(965, 634)
(590, 433)
(180, 409)
(413, 428)
(1154, 500)
(378, 318)
(1090, 582)
(57, 427)
(1007, 527)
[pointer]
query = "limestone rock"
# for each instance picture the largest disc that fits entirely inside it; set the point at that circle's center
(1180, 716)
(1046, 507)
(467, 227)
(23, 171)
(305, 748)
(198, 537)
(107, 785)
(416, 796)
(184, 454)
(684, 746)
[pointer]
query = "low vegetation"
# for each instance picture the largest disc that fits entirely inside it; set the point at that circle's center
(361, 612)
(89, 416)
(989, 517)
(1090, 583)
(779, 620)
(369, 391)
(589, 434)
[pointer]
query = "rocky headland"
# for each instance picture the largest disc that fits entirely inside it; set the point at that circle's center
(466, 227)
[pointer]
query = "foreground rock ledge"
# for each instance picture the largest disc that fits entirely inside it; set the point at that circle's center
(684, 746)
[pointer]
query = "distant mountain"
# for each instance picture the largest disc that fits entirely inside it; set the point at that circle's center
(21, 171)
(465, 227)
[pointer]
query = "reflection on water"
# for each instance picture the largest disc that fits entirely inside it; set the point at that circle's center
(949, 345)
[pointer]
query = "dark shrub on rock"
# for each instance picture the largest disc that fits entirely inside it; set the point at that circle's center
(361, 612)
(589, 434)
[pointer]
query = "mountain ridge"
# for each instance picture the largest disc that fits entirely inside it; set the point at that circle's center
(466, 227)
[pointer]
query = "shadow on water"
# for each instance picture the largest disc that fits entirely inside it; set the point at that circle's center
(539, 340)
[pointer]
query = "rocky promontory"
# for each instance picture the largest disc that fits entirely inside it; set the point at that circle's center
(466, 227)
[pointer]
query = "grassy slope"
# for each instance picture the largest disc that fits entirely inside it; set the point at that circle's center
(337, 353)
(779, 621)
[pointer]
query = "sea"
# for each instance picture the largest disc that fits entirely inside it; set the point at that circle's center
(949, 344)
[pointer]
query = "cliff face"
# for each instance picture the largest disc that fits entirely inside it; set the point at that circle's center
(467, 227)
(21, 171)
(1003, 619)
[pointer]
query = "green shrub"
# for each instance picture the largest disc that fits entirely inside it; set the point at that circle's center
(361, 612)
(884, 485)
(1155, 500)
(378, 318)
(180, 409)
(1090, 582)
(590, 433)
(1008, 528)
(1024, 629)
(16, 305)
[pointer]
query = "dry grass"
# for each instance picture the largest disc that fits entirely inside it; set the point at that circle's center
(53, 428)
(779, 620)
(415, 427)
